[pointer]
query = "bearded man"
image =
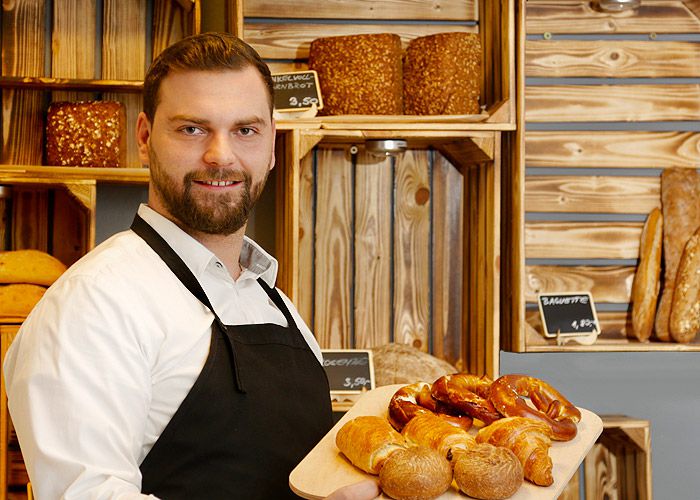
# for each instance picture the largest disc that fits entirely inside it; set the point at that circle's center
(165, 363)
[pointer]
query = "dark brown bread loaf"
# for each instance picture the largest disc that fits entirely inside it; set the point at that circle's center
(680, 192)
(442, 75)
(86, 134)
(359, 74)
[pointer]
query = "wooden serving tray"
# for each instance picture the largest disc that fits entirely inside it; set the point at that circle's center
(325, 469)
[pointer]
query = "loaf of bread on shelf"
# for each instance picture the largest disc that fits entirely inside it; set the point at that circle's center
(680, 192)
(86, 134)
(647, 278)
(359, 74)
(29, 266)
(529, 440)
(367, 441)
(684, 322)
(17, 301)
(442, 74)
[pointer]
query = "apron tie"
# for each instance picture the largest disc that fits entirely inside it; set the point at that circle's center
(232, 350)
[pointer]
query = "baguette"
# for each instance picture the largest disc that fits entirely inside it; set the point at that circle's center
(645, 288)
(680, 191)
(368, 441)
(684, 320)
(17, 301)
(30, 266)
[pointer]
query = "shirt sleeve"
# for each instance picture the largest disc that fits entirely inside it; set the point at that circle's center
(78, 385)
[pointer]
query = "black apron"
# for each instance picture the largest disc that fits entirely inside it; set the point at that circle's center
(260, 403)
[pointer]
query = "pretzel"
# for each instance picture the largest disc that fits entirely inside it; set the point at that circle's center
(467, 394)
(414, 399)
(551, 406)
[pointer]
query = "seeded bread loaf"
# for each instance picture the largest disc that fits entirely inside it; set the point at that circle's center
(359, 74)
(86, 134)
(442, 75)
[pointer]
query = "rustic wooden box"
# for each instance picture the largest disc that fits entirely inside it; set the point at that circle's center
(573, 208)
(619, 464)
(282, 32)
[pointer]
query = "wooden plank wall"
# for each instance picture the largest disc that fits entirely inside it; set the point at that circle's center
(610, 101)
(381, 250)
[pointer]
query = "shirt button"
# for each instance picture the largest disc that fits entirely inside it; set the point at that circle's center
(219, 265)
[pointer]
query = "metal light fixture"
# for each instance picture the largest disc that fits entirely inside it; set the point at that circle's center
(386, 147)
(617, 5)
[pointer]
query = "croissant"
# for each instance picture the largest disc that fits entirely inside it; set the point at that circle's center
(529, 439)
(368, 441)
(431, 431)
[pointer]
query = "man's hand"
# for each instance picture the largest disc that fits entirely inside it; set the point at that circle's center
(364, 490)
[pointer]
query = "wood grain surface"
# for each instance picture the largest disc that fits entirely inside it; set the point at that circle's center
(580, 16)
(443, 10)
(606, 283)
(629, 149)
(612, 58)
(582, 240)
(612, 103)
(325, 469)
(592, 194)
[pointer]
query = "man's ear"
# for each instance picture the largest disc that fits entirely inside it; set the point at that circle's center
(143, 133)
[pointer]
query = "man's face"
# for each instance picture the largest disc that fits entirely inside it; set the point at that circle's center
(210, 148)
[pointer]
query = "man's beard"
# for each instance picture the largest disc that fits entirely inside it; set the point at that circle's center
(211, 213)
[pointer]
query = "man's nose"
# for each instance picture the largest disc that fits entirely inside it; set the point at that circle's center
(219, 150)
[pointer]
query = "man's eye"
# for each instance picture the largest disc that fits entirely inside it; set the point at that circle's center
(245, 131)
(192, 130)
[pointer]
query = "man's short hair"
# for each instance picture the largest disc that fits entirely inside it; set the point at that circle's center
(202, 52)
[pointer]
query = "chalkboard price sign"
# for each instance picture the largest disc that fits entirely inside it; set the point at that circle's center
(349, 370)
(568, 314)
(297, 90)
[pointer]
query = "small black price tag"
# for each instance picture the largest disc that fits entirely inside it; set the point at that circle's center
(349, 370)
(297, 90)
(568, 314)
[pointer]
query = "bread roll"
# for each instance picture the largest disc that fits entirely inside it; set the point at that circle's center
(488, 472)
(368, 441)
(680, 192)
(529, 440)
(442, 74)
(86, 134)
(359, 74)
(415, 473)
(645, 288)
(684, 322)
(29, 266)
(17, 301)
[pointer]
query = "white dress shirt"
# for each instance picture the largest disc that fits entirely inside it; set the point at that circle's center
(102, 363)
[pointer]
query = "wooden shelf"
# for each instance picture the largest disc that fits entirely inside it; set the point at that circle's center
(41, 83)
(28, 173)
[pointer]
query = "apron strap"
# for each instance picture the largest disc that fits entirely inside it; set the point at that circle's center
(279, 302)
(183, 273)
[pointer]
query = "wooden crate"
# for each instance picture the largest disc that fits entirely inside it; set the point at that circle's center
(282, 31)
(403, 249)
(619, 464)
(75, 36)
(569, 228)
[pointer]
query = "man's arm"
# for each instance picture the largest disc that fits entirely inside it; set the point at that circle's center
(79, 392)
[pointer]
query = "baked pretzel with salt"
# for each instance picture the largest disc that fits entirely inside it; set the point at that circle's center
(414, 399)
(468, 394)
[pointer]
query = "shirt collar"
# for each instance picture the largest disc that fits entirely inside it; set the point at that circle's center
(256, 261)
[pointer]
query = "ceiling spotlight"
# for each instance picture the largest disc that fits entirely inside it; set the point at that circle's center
(386, 147)
(617, 5)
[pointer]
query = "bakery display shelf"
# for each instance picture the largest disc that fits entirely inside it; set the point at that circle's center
(450, 123)
(45, 83)
(30, 173)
